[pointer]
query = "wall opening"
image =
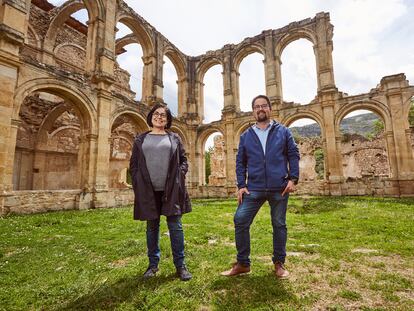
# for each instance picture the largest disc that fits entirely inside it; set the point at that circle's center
(308, 137)
(213, 94)
(298, 70)
(251, 80)
(363, 145)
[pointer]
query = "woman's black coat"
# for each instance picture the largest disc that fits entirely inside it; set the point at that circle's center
(175, 200)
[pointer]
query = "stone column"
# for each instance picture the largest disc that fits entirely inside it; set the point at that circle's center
(333, 162)
(323, 52)
(148, 96)
(8, 182)
(394, 86)
(272, 65)
(389, 137)
(230, 155)
(158, 85)
(228, 85)
(182, 96)
(12, 29)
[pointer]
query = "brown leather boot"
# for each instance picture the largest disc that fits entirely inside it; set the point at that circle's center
(280, 271)
(237, 269)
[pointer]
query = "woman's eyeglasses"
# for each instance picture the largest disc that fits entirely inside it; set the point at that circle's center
(159, 115)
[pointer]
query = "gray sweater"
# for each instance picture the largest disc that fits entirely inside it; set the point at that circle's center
(156, 150)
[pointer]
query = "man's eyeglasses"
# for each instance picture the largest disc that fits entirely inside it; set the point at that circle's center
(257, 107)
(159, 115)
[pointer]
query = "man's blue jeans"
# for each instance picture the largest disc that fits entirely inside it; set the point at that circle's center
(176, 238)
(245, 214)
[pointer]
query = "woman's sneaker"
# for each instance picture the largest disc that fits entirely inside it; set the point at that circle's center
(151, 272)
(184, 274)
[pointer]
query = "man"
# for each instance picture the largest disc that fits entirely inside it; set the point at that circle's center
(269, 155)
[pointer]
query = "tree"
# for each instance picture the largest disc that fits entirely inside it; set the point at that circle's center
(378, 128)
(319, 165)
(207, 157)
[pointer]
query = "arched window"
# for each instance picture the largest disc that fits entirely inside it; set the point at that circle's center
(213, 94)
(363, 145)
(299, 79)
(307, 134)
(251, 80)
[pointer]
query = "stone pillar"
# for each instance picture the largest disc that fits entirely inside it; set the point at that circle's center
(8, 182)
(12, 29)
(230, 155)
(182, 97)
(333, 162)
(235, 77)
(90, 61)
(394, 86)
(200, 97)
(389, 138)
(103, 147)
(228, 83)
(323, 52)
(99, 153)
(158, 85)
(148, 96)
(272, 72)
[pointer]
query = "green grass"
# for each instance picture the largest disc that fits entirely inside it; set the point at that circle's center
(343, 253)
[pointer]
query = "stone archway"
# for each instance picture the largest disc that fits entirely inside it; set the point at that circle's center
(51, 145)
(125, 126)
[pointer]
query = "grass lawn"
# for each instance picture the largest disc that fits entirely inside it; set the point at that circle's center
(343, 254)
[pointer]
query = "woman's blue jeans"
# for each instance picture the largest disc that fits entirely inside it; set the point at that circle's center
(244, 217)
(176, 238)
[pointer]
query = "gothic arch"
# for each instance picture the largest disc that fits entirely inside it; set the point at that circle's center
(289, 119)
(51, 117)
(205, 65)
(62, 14)
(144, 38)
(139, 119)
(201, 139)
(245, 51)
(181, 132)
(62, 89)
(124, 41)
(177, 60)
(204, 134)
(374, 106)
(293, 35)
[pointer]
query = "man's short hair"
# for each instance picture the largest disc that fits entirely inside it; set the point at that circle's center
(264, 97)
(167, 111)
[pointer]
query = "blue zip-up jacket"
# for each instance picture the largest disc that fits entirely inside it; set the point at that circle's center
(268, 171)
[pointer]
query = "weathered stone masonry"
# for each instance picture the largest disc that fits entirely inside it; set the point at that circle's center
(68, 118)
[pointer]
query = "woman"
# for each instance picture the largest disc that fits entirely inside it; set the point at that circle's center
(158, 166)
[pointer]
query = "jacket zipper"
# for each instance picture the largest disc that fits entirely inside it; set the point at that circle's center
(263, 152)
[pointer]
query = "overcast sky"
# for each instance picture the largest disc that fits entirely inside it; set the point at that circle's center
(372, 38)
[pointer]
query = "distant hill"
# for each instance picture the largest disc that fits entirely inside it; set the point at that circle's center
(361, 124)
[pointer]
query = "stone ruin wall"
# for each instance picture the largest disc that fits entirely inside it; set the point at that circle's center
(55, 158)
(217, 163)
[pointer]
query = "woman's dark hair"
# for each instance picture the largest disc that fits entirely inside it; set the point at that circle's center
(264, 97)
(167, 111)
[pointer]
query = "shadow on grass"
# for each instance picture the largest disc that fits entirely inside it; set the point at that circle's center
(109, 296)
(311, 205)
(250, 292)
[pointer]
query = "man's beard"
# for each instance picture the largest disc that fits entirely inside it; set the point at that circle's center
(262, 116)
